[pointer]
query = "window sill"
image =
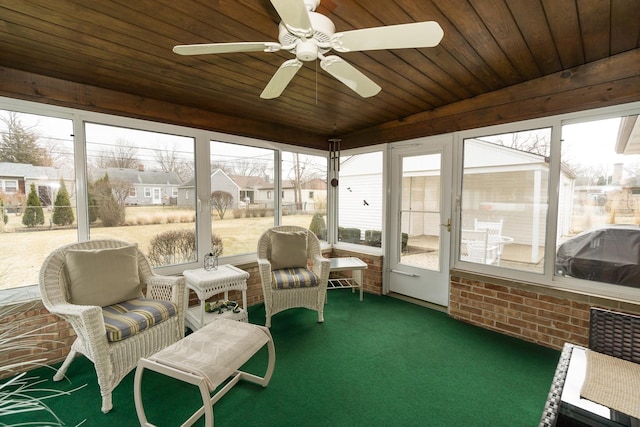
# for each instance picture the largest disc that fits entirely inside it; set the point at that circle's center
(21, 294)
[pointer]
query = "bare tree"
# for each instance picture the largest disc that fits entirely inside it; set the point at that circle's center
(302, 171)
(221, 201)
(123, 155)
(249, 167)
(170, 160)
(531, 142)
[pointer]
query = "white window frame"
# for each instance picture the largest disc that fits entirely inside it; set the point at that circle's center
(201, 153)
(547, 278)
(4, 186)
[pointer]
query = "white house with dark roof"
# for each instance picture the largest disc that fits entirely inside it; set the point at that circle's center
(147, 187)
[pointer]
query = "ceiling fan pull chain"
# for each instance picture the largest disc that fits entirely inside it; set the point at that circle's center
(316, 62)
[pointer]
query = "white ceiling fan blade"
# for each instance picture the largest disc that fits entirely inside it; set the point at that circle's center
(281, 79)
(213, 48)
(350, 76)
(294, 15)
(415, 35)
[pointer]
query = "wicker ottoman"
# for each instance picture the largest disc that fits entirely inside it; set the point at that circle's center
(207, 358)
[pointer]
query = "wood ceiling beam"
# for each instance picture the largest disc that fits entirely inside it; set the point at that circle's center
(38, 88)
(611, 81)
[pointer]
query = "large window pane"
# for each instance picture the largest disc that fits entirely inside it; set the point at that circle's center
(420, 219)
(599, 210)
(504, 199)
(141, 186)
(304, 192)
(37, 193)
(242, 195)
(360, 199)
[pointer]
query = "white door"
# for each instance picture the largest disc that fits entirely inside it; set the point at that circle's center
(420, 212)
(157, 196)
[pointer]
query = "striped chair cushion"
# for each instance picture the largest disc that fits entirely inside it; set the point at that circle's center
(127, 318)
(289, 278)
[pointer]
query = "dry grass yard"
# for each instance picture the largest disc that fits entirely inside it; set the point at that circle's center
(22, 250)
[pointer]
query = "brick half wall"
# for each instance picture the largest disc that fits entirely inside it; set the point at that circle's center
(543, 315)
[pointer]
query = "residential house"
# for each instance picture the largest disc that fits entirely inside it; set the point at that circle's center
(16, 180)
(146, 187)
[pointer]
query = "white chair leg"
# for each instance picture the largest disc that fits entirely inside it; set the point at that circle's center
(107, 404)
(65, 365)
(320, 316)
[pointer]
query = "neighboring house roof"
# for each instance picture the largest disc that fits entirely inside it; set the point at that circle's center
(253, 182)
(136, 176)
(29, 171)
(314, 184)
(259, 183)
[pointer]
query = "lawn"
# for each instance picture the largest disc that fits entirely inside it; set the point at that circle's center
(22, 250)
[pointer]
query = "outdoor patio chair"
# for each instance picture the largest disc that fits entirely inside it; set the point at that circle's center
(292, 270)
(494, 231)
(476, 247)
(97, 286)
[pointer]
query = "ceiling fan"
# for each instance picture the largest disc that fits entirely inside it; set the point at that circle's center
(310, 35)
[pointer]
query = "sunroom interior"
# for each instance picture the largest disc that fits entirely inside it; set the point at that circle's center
(522, 118)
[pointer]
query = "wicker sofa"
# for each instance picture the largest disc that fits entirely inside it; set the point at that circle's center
(83, 283)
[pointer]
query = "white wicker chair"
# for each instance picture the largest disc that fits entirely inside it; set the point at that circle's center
(277, 300)
(112, 360)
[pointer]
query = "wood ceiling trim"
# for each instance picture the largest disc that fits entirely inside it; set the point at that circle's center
(48, 90)
(610, 81)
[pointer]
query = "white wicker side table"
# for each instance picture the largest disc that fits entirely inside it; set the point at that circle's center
(209, 283)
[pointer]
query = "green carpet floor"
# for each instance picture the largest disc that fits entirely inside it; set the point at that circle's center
(381, 362)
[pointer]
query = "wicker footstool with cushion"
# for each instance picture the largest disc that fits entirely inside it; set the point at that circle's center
(207, 358)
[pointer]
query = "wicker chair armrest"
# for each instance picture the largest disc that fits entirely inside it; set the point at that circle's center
(264, 267)
(75, 310)
(321, 266)
(167, 288)
(87, 322)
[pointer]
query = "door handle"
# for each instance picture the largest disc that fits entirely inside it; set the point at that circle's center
(404, 273)
(448, 225)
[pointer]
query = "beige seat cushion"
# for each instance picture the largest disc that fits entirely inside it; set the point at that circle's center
(103, 276)
(288, 249)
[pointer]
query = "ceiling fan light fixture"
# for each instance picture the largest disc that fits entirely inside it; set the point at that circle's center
(307, 51)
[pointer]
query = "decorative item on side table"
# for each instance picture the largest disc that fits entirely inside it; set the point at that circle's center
(210, 262)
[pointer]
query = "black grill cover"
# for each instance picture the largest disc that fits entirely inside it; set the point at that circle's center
(609, 254)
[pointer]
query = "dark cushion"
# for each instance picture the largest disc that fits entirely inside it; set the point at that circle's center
(128, 318)
(289, 278)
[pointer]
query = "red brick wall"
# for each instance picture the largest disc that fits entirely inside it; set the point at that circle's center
(545, 316)
(48, 337)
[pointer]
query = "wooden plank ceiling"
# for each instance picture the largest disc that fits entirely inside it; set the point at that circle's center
(125, 46)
